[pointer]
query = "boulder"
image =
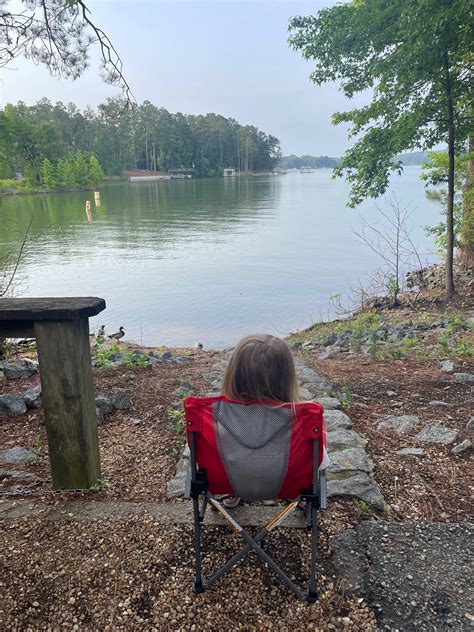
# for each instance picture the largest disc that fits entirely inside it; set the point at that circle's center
(330, 339)
(329, 403)
(330, 352)
(411, 452)
(166, 357)
(32, 397)
(345, 463)
(470, 424)
(16, 455)
(20, 369)
(334, 419)
(296, 345)
(463, 378)
(436, 433)
(12, 405)
(104, 404)
(305, 394)
(121, 399)
(400, 424)
(359, 486)
(341, 439)
(464, 446)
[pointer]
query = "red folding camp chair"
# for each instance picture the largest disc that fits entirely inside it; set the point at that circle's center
(257, 452)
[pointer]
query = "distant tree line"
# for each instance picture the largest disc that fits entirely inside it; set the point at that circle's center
(138, 137)
(314, 162)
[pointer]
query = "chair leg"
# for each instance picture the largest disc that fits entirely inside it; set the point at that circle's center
(198, 585)
(312, 593)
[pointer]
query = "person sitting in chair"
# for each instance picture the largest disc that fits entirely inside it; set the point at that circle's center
(261, 369)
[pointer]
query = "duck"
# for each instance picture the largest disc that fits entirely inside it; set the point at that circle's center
(198, 344)
(118, 334)
(101, 331)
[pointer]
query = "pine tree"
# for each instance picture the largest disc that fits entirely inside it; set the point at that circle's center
(47, 175)
(95, 173)
(81, 170)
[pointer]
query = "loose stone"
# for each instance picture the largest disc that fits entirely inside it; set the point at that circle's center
(345, 463)
(464, 446)
(447, 366)
(32, 397)
(16, 455)
(12, 405)
(401, 424)
(436, 433)
(334, 419)
(20, 369)
(121, 399)
(463, 378)
(340, 439)
(329, 403)
(411, 452)
(105, 404)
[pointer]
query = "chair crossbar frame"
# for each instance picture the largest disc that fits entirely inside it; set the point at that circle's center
(316, 498)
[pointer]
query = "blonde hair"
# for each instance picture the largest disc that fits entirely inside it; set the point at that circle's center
(261, 369)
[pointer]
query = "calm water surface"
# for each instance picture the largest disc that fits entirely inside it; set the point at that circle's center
(204, 259)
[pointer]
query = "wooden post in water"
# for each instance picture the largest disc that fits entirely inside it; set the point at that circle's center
(61, 329)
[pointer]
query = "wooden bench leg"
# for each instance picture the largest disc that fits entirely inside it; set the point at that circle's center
(69, 402)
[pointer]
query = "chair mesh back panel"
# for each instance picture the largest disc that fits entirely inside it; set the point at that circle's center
(254, 445)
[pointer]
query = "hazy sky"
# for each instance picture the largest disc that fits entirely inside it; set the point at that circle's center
(227, 57)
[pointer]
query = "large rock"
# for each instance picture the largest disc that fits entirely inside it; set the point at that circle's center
(177, 484)
(329, 403)
(16, 455)
(121, 399)
(104, 404)
(436, 433)
(334, 419)
(412, 574)
(470, 424)
(463, 378)
(341, 439)
(19, 369)
(360, 486)
(12, 405)
(345, 463)
(400, 424)
(32, 397)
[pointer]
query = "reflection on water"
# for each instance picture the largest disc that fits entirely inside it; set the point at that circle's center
(209, 259)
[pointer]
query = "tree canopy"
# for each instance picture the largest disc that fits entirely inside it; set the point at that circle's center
(57, 34)
(415, 58)
(142, 137)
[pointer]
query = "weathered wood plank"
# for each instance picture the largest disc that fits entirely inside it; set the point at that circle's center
(63, 308)
(69, 402)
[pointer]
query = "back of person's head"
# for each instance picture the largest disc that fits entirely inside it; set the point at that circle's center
(261, 368)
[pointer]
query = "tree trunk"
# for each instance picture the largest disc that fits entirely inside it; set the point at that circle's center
(450, 205)
(467, 228)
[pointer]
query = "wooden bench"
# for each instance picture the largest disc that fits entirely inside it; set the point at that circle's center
(61, 329)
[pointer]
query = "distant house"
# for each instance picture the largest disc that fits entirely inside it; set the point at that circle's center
(229, 173)
(141, 175)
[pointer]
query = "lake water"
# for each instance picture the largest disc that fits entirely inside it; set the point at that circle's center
(208, 259)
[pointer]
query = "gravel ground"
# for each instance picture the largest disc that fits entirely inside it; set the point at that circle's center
(417, 576)
(134, 574)
(436, 487)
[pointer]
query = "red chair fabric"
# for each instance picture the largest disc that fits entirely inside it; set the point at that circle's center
(204, 416)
